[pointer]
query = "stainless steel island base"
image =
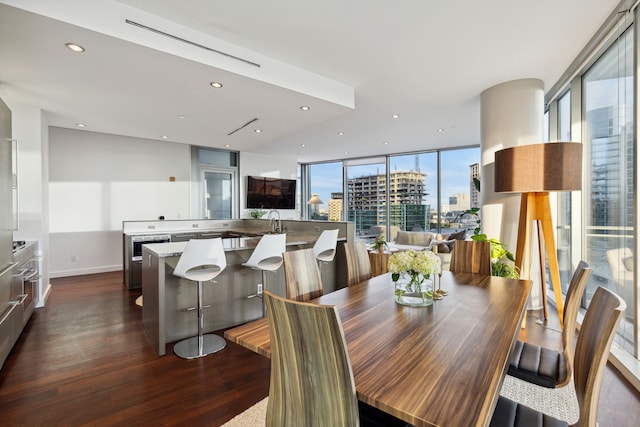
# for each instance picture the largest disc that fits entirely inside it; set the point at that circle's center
(168, 310)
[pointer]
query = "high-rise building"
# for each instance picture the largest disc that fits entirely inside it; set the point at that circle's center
(367, 197)
(335, 206)
(474, 172)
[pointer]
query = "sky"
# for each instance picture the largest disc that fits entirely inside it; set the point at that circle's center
(327, 177)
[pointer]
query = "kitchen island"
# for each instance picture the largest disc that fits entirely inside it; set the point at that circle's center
(168, 310)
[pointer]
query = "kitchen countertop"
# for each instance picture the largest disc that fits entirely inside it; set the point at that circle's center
(163, 250)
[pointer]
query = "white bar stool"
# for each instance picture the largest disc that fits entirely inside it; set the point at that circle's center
(201, 261)
(267, 256)
(325, 247)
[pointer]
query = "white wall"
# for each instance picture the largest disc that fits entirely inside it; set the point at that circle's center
(96, 181)
(271, 167)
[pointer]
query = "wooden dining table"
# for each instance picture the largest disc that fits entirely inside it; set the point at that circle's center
(441, 365)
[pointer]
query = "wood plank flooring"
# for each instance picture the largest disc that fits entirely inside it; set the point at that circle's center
(84, 360)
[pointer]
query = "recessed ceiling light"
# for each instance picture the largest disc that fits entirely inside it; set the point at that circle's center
(386, 143)
(395, 116)
(81, 125)
(74, 47)
(258, 131)
(440, 130)
(302, 145)
(165, 136)
(216, 85)
(305, 108)
(181, 116)
(340, 133)
(227, 145)
(346, 152)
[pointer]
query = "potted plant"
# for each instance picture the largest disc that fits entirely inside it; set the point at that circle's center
(379, 244)
(502, 261)
(257, 213)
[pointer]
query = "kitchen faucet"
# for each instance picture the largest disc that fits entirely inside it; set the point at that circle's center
(274, 223)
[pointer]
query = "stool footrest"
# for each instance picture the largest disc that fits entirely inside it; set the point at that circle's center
(191, 349)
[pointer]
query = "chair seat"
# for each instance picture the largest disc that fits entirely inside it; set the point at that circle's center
(538, 365)
(510, 413)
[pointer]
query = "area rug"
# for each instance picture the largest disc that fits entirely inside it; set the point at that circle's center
(252, 417)
(560, 403)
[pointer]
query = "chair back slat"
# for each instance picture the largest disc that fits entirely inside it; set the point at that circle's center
(311, 376)
(358, 263)
(302, 276)
(592, 351)
(572, 303)
(469, 256)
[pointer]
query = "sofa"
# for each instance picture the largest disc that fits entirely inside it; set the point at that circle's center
(427, 240)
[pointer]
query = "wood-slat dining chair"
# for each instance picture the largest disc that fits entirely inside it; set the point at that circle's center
(469, 256)
(311, 377)
(549, 367)
(592, 350)
(358, 263)
(301, 275)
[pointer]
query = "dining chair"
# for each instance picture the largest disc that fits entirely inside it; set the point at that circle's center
(358, 263)
(592, 350)
(311, 380)
(201, 261)
(549, 367)
(469, 256)
(302, 275)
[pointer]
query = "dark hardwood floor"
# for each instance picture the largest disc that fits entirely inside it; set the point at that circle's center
(84, 360)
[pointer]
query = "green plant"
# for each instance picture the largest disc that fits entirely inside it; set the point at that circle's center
(257, 213)
(379, 242)
(499, 254)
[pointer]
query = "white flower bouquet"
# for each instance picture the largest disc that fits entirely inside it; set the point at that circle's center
(418, 266)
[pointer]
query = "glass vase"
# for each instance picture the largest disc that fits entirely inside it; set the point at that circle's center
(414, 290)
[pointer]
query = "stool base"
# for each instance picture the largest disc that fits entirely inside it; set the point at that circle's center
(188, 349)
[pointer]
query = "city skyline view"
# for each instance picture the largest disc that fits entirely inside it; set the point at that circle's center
(326, 178)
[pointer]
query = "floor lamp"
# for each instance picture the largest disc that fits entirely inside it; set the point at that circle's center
(314, 201)
(535, 170)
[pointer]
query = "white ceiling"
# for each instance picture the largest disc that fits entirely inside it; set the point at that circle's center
(354, 62)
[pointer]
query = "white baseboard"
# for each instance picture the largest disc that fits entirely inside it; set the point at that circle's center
(45, 297)
(83, 271)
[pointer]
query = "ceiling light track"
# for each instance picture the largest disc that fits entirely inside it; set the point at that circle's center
(155, 30)
(243, 126)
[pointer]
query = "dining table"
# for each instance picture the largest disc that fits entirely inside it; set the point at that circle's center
(440, 365)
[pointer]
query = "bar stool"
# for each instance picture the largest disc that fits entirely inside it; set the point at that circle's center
(201, 261)
(325, 247)
(267, 256)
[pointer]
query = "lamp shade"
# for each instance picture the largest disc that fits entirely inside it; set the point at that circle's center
(554, 166)
(315, 200)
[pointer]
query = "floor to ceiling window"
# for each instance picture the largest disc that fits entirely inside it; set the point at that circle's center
(564, 246)
(366, 201)
(415, 192)
(325, 192)
(608, 115)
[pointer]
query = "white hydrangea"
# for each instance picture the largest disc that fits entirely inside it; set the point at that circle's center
(424, 262)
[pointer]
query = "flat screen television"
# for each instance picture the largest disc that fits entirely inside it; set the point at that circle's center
(270, 193)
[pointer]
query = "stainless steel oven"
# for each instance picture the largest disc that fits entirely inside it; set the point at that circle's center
(133, 265)
(138, 241)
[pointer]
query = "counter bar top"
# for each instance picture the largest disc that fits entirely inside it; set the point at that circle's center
(163, 250)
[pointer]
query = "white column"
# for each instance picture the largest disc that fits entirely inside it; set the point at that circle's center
(511, 114)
